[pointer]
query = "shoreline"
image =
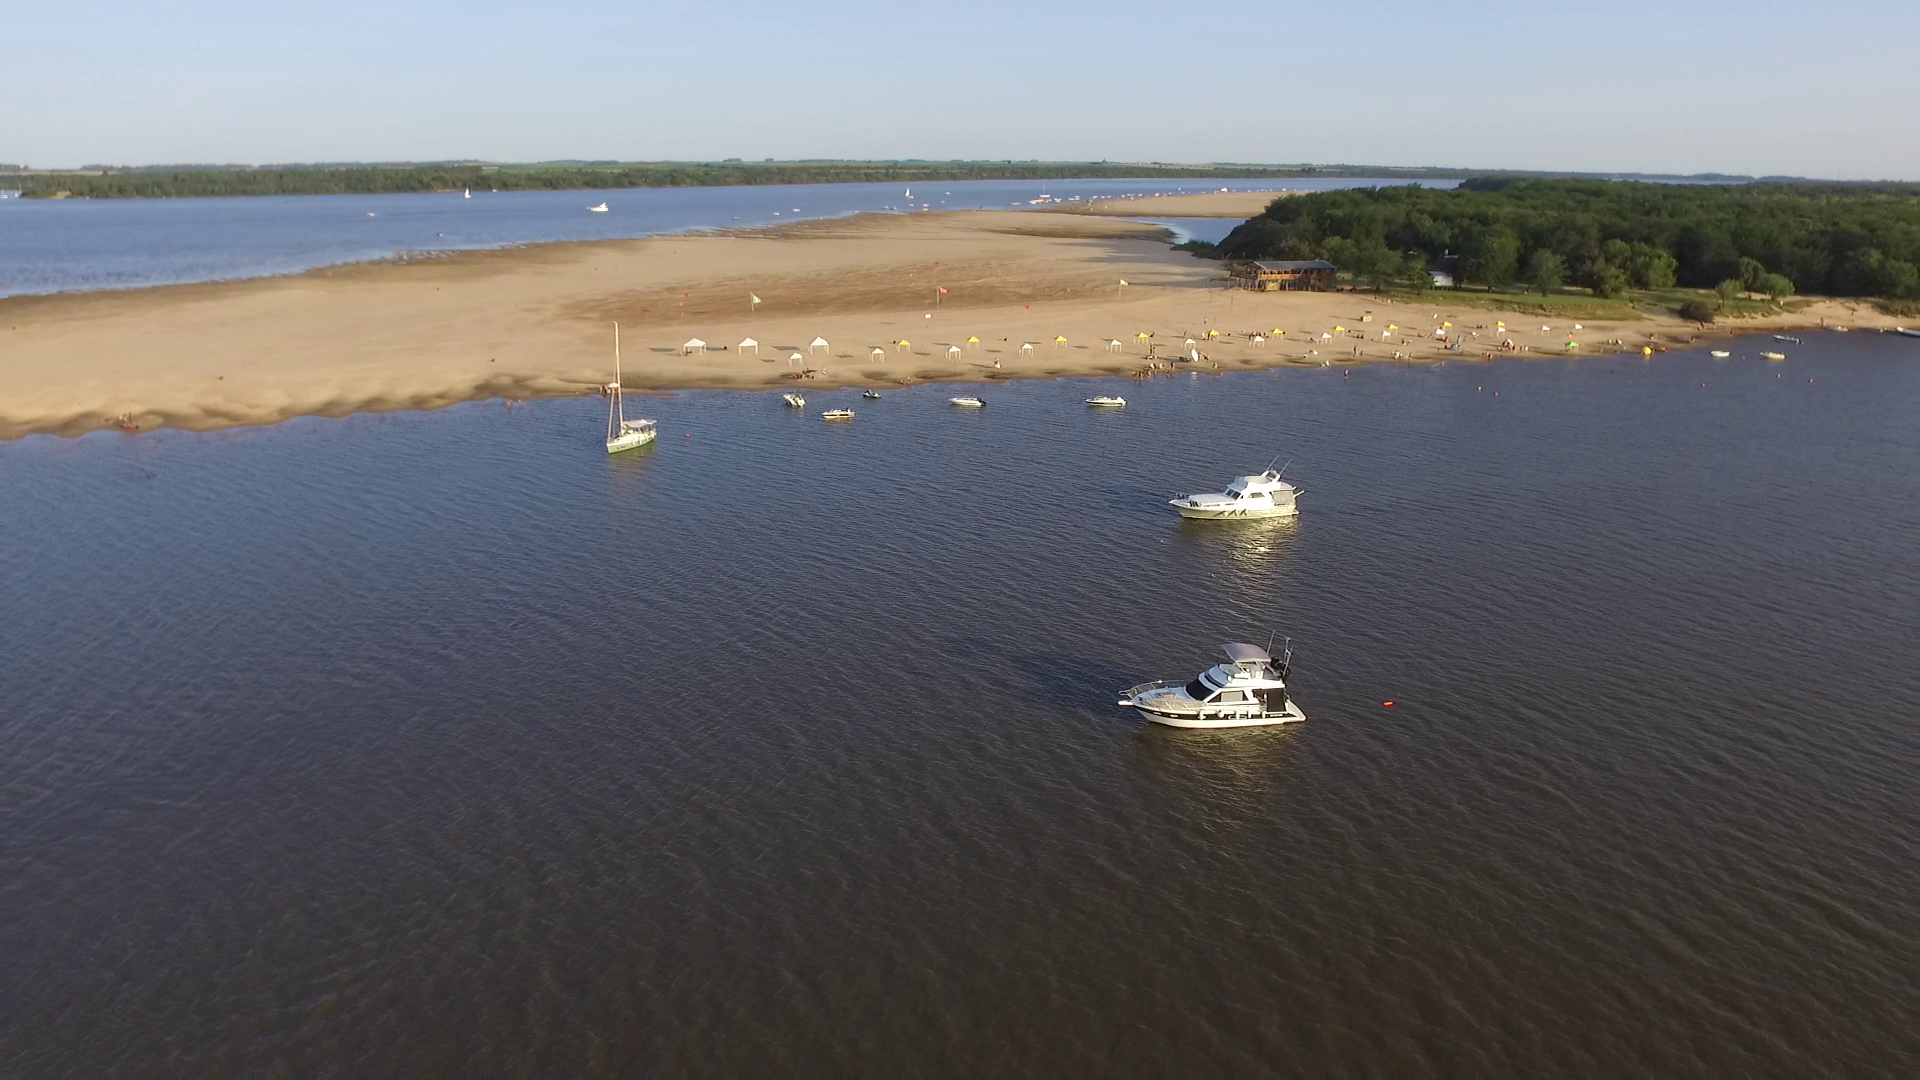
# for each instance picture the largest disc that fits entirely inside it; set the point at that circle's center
(535, 320)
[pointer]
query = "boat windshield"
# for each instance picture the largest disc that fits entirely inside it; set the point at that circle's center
(1198, 690)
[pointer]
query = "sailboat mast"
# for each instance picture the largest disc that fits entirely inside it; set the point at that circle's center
(617, 422)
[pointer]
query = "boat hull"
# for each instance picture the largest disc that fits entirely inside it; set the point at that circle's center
(632, 440)
(1195, 722)
(1207, 513)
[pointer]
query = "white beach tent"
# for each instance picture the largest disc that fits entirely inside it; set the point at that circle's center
(749, 343)
(693, 345)
(878, 353)
(1113, 346)
(795, 358)
(1027, 348)
(953, 350)
(818, 343)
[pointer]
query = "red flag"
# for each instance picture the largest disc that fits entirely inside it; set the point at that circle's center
(943, 290)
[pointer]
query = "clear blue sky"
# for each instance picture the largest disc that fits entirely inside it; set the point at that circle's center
(1827, 88)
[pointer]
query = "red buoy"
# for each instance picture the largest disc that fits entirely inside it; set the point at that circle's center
(1386, 704)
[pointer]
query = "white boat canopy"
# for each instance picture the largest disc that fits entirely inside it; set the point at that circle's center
(1242, 653)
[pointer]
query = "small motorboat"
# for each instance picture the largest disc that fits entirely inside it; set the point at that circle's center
(1905, 332)
(1249, 690)
(1261, 496)
(1774, 356)
(966, 402)
(837, 414)
(601, 209)
(1107, 401)
(1719, 354)
(794, 400)
(1787, 339)
(871, 395)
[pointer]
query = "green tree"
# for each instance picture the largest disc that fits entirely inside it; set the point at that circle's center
(1729, 290)
(1492, 257)
(1609, 282)
(1776, 286)
(1652, 267)
(1751, 271)
(1546, 271)
(1697, 310)
(1414, 266)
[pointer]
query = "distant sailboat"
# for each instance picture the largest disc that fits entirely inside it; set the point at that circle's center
(909, 193)
(622, 433)
(468, 194)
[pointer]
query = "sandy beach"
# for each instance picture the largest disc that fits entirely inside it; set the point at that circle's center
(538, 321)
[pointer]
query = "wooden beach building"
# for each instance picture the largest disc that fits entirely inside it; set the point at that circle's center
(1315, 274)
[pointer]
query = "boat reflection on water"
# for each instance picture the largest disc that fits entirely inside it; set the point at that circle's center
(1257, 543)
(1230, 772)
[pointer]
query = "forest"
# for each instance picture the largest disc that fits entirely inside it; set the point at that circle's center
(203, 181)
(1776, 239)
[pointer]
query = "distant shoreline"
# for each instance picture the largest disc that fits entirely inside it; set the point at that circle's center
(536, 321)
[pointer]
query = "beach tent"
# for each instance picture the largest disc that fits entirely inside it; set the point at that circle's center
(1211, 334)
(903, 343)
(795, 358)
(1259, 339)
(953, 350)
(1059, 340)
(818, 343)
(749, 343)
(1114, 345)
(972, 341)
(1027, 347)
(878, 352)
(693, 345)
(1142, 336)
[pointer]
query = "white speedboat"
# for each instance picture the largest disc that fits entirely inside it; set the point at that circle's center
(1107, 401)
(1904, 332)
(622, 433)
(794, 400)
(1249, 690)
(1262, 496)
(871, 395)
(601, 209)
(1776, 356)
(1786, 338)
(1719, 354)
(837, 414)
(966, 403)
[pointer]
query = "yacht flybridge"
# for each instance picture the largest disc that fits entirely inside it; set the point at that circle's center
(1249, 690)
(1262, 496)
(622, 433)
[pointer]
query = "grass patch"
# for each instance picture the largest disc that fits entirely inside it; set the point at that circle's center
(1580, 305)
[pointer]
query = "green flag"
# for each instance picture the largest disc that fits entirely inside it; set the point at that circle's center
(755, 298)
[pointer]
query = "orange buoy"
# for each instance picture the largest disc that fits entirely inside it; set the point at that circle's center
(1386, 704)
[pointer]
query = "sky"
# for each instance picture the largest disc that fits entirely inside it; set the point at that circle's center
(1757, 87)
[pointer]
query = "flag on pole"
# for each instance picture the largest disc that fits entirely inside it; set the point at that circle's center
(1123, 281)
(755, 299)
(943, 290)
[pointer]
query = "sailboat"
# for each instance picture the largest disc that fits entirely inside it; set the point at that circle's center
(622, 433)
(467, 194)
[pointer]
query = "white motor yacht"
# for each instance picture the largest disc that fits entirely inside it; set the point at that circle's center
(966, 403)
(1249, 690)
(622, 433)
(601, 209)
(794, 400)
(1719, 354)
(837, 414)
(1262, 496)
(1107, 401)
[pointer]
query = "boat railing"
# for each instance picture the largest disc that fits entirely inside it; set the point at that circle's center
(1177, 705)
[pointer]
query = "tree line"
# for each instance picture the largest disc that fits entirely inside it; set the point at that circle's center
(148, 183)
(1610, 236)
